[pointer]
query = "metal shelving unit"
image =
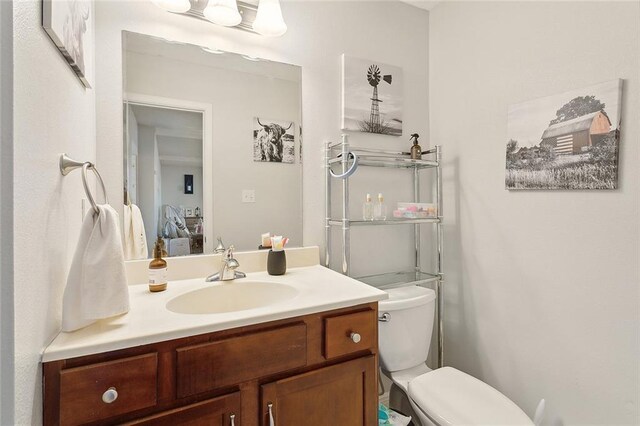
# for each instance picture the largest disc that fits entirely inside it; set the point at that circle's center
(349, 159)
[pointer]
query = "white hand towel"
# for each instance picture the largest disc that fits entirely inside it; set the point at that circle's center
(97, 284)
(135, 237)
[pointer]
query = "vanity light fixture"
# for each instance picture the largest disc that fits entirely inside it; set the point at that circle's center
(264, 19)
(223, 12)
(269, 21)
(175, 6)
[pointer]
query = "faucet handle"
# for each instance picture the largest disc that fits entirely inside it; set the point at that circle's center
(220, 247)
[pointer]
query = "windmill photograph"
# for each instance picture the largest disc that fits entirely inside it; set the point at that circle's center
(371, 97)
(565, 141)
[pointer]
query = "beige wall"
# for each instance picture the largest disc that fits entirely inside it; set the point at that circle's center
(542, 286)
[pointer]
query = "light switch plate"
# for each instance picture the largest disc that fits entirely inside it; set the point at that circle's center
(248, 195)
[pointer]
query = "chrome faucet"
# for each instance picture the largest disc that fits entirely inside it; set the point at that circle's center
(227, 269)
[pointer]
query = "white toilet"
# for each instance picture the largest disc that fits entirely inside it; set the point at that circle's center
(441, 397)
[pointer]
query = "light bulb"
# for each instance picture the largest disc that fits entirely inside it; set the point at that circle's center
(223, 12)
(269, 21)
(176, 6)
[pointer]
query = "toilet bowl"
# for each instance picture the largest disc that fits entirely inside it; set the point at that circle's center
(442, 397)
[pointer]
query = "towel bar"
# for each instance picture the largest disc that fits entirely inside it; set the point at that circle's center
(67, 165)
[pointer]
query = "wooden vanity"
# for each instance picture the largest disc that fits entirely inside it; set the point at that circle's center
(314, 370)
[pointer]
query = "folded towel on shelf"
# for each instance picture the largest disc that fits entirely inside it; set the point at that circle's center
(135, 238)
(97, 284)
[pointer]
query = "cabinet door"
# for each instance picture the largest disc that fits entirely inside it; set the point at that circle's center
(343, 394)
(221, 411)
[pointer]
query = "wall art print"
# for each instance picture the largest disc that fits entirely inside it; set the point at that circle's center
(70, 25)
(372, 97)
(565, 141)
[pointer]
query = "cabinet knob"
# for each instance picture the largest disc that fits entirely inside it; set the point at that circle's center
(110, 395)
(233, 420)
(355, 337)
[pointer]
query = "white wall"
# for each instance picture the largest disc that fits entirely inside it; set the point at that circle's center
(542, 286)
(319, 32)
(131, 163)
(147, 188)
(232, 95)
(6, 214)
(53, 113)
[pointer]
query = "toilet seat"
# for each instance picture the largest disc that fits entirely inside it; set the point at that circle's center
(450, 397)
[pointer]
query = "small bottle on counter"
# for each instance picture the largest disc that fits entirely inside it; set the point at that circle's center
(158, 269)
(367, 208)
(380, 209)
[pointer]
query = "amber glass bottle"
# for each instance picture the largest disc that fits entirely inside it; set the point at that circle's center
(157, 269)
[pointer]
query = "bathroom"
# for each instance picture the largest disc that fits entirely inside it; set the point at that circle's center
(541, 288)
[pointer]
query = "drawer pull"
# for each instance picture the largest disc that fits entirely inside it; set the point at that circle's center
(355, 337)
(233, 420)
(110, 395)
(272, 422)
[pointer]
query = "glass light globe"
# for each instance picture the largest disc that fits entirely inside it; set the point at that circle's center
(269, 21)
(223, 12)
(176, 6)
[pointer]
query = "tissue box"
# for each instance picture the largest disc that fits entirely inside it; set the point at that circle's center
(415, 211)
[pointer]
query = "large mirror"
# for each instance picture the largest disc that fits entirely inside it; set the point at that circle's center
(212, 148)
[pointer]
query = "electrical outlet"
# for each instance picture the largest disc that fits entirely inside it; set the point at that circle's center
(248, 195)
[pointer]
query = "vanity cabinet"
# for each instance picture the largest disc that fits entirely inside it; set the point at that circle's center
(342, 394)
(221, 411)
(318, 369)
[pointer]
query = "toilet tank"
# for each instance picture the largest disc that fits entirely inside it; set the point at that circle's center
(404, 340)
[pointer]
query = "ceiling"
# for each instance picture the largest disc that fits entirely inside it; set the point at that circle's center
(187, 122)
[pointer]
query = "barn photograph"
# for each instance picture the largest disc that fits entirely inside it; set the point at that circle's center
(566, 141)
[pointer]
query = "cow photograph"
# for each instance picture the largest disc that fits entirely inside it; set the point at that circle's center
(566, 141)
(273, 141)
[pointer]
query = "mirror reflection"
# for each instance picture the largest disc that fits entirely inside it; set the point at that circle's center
(212, 148)
(164, 175)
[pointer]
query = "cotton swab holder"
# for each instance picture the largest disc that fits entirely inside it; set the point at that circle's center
(276, 262)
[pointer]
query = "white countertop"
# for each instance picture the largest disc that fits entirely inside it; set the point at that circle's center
(149, 321)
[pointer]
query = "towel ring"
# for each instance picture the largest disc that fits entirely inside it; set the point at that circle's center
(67, 165)
(351, 169)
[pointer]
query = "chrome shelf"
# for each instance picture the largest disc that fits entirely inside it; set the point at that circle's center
(360, 222)
(342, 161)
(389, 162)
(399, 279)
(396, 163)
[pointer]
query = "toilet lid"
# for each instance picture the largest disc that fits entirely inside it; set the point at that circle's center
(406, 297)
(451, 397)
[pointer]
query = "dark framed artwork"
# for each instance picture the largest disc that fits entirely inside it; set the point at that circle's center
(188, 184)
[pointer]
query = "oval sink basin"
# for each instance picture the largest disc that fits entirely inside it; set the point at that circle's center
(232, 297)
